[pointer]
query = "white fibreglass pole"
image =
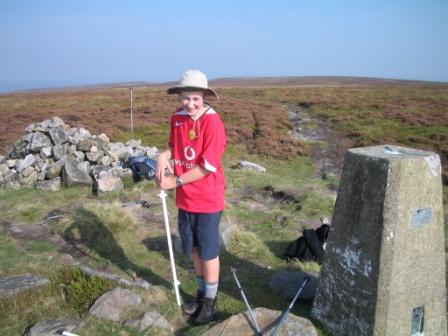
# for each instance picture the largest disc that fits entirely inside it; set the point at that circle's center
(176, 283)
(132, 116)
(67, 333)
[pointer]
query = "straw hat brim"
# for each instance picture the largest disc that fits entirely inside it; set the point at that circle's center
(179, 89)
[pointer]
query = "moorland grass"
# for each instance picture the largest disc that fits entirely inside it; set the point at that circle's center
(129, 242)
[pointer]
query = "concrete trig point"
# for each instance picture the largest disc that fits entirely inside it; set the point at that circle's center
(384, 272)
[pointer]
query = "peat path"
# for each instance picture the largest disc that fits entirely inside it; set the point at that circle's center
(326, 144)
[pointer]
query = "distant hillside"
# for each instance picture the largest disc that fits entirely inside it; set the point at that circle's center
(252, 82)
(310, 81)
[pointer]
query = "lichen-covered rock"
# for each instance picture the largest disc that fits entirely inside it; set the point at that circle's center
(56, 122)
(29, 180)
(80, 156)
(59, 151)
(266, 319)
(251, 166)
(58, 135)
(4, 169)
(106, 160)
(76, 173)
(104, 138)
(46, 152)
(108, 184)
(53, 327)
(133, 143)
(150, 319)
(53, 185)
(39, 141)
(114, 302)
(27, 171)
(28, 161)
(119, 150)
(95, 157)
(55, 168)
(288, 283)
(11, 163)
(84, 145)
(10, 180)
(16, 284)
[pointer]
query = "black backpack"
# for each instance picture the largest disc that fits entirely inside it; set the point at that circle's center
(310, 246)
(142, 167)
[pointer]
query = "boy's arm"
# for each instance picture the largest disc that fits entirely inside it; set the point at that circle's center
(163, 163)
(169, 182)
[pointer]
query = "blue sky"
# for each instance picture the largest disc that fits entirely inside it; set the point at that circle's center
(53, 43)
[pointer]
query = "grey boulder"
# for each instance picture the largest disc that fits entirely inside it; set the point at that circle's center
(39, 141)
(266, 319)
(111, 304)
(58, 135)
(16, 284)
(76, 173)
(150, 319)
(288, 283)
(53, 327)
(52, 185)
(28, 161)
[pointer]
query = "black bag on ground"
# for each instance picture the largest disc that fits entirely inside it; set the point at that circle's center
(142, 167)
(309, 247)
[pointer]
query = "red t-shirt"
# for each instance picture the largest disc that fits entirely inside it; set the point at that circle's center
(205, 195)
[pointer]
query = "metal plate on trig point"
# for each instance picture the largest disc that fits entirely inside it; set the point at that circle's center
(421, 217)
(417, 321)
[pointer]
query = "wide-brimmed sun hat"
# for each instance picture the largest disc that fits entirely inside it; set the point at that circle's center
(193, 80)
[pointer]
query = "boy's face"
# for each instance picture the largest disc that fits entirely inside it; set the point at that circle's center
(192, 101)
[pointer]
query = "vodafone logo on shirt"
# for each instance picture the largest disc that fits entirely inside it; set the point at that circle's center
(189, 154)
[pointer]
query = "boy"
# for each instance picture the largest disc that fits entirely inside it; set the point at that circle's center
(196, 145)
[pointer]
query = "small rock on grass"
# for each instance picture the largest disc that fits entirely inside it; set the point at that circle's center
(53, 327)
(150, 319)
(251, 166)
(112, 303)
(19, 283)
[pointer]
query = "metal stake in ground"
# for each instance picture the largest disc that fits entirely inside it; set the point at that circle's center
(286, 312)
(176, 283)
(254, 320)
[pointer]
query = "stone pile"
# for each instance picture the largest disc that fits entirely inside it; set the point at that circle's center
(52, 152)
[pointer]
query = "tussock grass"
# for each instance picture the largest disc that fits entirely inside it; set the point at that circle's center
(82, 290)
(306, 266)
(246, 245)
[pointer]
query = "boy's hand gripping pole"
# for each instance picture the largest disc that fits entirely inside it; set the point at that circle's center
(176, 283)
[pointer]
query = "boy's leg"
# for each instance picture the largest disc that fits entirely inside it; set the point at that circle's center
(210, 269)
(186, 224)
(211, 276)
(208, 242)
(197, 262)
